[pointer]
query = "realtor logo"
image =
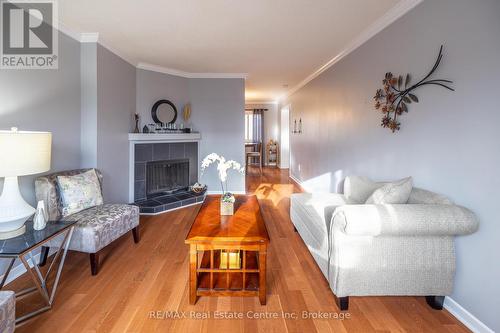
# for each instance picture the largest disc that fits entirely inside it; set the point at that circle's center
(28, 34)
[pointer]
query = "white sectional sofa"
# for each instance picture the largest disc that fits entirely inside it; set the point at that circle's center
(382, 248)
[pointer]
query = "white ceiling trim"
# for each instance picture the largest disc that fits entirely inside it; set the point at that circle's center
(82, 37)
(71, 33)
(252, 102)
(119, 54)
(93, 37)
(380, 24)
(171, 71)
(89, 37)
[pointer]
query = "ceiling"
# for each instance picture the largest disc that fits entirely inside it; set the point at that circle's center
(278, 43)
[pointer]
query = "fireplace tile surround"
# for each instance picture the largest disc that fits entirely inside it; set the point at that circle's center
(154, 147)
(147, 152)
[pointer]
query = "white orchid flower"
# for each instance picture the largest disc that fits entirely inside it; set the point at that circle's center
(222, 167)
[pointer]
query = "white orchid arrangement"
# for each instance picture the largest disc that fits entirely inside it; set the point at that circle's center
(222, 167)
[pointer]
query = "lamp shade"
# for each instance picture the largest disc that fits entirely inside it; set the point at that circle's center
(24, 153)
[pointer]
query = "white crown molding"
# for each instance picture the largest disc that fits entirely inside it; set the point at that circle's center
(380, 24)
(159, 69)
(171, 71)
(93, 37)
(119, 54)
(67, 31)
(251, 102)
(89, 37)
(82, 37)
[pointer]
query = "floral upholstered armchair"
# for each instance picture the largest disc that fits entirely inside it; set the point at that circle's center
(7, 311)
(96, 226)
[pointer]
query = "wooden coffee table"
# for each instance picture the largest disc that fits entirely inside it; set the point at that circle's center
(244, 234)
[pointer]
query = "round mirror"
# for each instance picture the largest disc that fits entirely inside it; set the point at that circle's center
(164, 112)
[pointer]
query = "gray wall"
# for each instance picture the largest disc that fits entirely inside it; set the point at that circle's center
(116, 88)
(88, 132)
(46, 100)
(217, 107)
(218, 112)
(449, 142)
(153, 86)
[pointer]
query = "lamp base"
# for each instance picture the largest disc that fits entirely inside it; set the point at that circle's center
(14, 210)
(12, 234)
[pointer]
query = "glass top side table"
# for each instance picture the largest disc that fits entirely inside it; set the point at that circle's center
(22, 246)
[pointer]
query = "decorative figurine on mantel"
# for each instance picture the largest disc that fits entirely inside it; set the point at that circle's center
(145, 129)
(186, 115)
(136, 119)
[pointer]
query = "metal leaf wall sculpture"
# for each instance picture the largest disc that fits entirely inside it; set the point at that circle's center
(397, 93)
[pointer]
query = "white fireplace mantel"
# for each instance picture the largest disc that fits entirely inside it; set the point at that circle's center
(164, 137)
(138, 138)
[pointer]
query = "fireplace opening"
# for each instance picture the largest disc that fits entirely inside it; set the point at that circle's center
(166, 176)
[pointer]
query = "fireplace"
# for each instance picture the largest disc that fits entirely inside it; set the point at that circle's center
(162, 172)
(166, 176)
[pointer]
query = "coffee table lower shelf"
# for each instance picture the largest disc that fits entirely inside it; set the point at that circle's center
(208, 278)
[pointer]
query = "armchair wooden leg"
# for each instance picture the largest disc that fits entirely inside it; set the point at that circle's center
(342, 303)
(94, 263)
(136, 234)
(435, 302)
(43, 255)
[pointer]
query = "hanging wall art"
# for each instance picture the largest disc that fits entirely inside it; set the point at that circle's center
(397, 93)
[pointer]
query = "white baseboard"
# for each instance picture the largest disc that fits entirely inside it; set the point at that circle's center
(292, 177)
(465, 317)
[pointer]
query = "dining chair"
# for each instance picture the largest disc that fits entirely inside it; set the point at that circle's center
(257, 153)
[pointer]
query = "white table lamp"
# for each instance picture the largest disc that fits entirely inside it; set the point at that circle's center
(21, 153)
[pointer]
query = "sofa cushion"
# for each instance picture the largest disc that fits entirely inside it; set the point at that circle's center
(100, 225)
(392, 193)
(357, 189)
(79, 192)
(421, 196)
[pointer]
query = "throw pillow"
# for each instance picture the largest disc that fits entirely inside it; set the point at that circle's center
(357, 189)
(421, 196)
(392, 193)
(79, 192)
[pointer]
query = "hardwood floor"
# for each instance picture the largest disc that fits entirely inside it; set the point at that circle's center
(137, 282)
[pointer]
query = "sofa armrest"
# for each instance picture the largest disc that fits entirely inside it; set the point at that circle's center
(408, 220)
